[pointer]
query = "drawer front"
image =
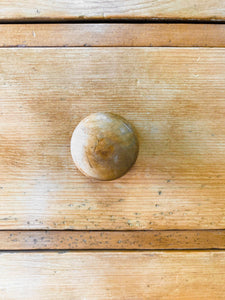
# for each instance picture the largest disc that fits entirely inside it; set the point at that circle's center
(173, 96)
(113, 275)
(111, 9)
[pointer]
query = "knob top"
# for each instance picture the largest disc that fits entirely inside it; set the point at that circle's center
(104, 146)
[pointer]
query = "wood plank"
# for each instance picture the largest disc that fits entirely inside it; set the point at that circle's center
(144, 240)
(113, 275)
(116, 35)
(57, 10)
(175, 99)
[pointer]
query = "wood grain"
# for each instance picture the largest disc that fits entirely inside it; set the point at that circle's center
(112, 35)
(106, 240)
(113, 275)
(57, 10)
(174, 98)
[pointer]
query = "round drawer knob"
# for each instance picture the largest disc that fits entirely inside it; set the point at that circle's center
(104, 146)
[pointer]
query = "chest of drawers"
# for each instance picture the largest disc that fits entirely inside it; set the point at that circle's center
(168, 80)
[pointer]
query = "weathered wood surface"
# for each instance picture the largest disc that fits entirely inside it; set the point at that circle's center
(112, 35)
(174, 97)
(113, 275)
(106, 240)
(59, 10)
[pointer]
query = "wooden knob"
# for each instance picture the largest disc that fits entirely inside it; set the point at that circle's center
(104, 146)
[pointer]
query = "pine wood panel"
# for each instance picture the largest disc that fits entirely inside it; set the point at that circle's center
(113, 275)
(112, 35)
(111, 9)
(140, 240)
(175, 99)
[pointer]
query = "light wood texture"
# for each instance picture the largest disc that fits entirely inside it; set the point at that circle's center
(113, 275)
(13, 10)
(140, 240)
(116, 35)
(175, 98)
